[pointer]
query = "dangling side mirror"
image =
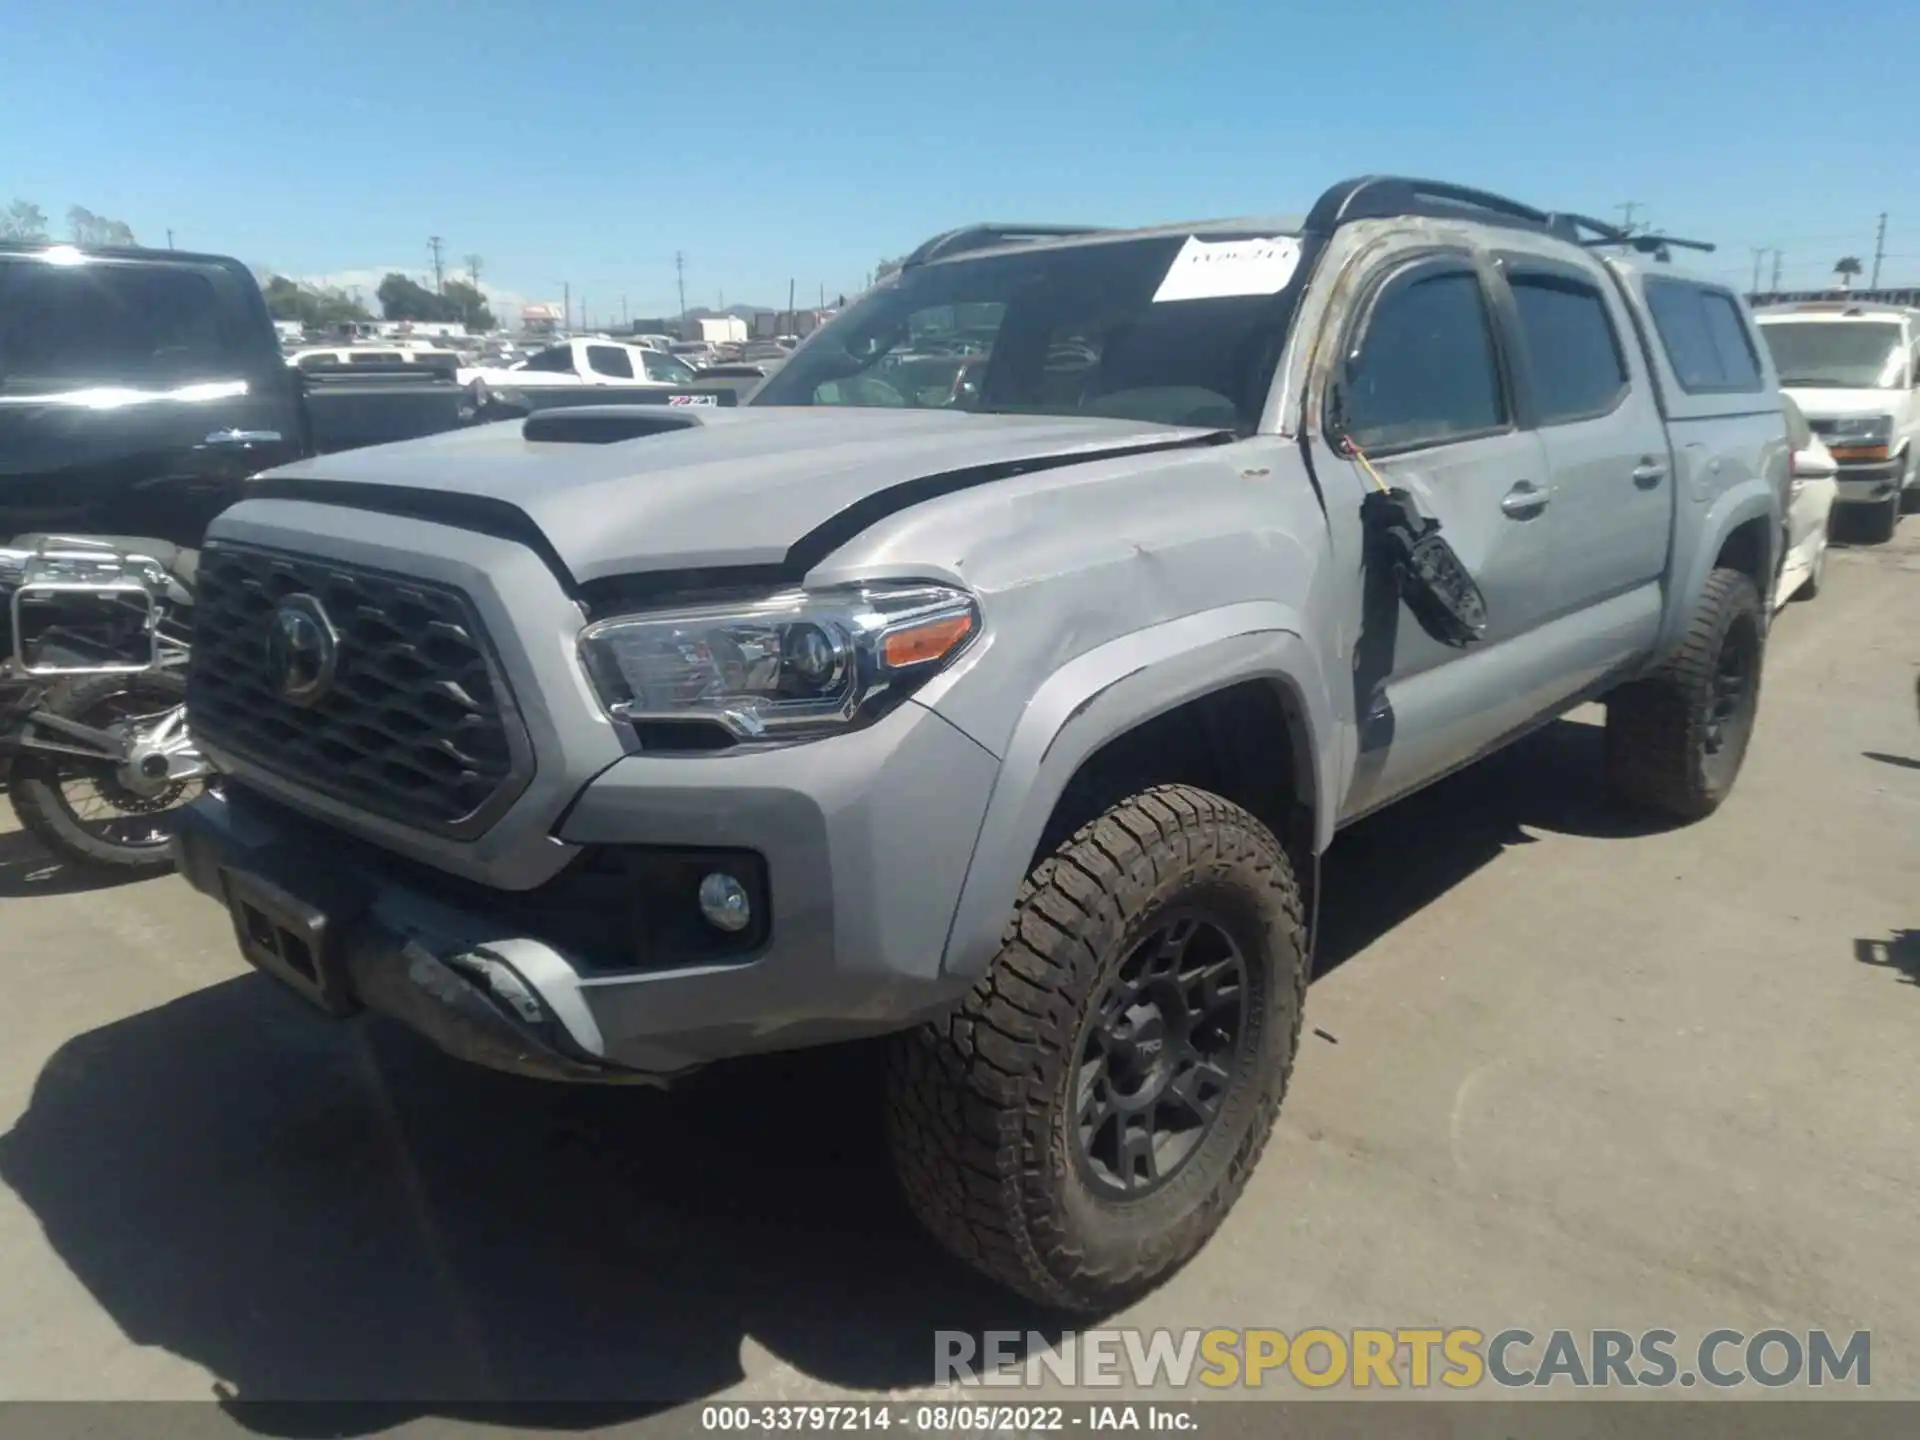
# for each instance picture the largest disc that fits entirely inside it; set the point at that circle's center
(1430, 576)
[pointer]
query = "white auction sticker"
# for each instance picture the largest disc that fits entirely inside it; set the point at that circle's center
(1210, 271)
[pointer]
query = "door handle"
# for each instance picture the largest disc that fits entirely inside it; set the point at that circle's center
(1649, 473)
(1525, 500)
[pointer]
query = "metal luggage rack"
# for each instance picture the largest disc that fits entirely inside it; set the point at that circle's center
(78, 570)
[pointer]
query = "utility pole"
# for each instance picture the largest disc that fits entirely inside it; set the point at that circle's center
(626, 322)
(473, 271)
(1776, 270)
(439, 269)
(566, 305)
(1626, 210)
(170, 236)
(791, 322)
(680, 276)
(1879, 251)
(1756, 271)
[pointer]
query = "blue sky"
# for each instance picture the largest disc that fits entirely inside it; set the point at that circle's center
(585, 141)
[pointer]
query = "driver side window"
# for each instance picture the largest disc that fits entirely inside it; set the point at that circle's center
(1426, 372)
(558, 361)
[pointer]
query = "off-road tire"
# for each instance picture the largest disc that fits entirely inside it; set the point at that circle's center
(978, 1107)
(1656, 738)
(34, 784)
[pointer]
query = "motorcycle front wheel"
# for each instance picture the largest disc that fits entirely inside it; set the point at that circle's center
(84, 810)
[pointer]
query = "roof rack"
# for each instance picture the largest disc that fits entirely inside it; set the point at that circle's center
(1655, 245)
(1381, 197)
(985, 236)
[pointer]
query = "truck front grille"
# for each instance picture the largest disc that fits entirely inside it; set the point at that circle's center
(414, 724)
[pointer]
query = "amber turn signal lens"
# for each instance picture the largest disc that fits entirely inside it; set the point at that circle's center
(1858, 452)
(918, 644)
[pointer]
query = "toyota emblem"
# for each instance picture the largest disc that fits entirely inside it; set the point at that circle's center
(303, 650)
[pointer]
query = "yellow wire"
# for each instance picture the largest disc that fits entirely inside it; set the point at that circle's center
(1367, 465)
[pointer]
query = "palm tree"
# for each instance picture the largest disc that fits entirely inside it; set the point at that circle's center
(1846, 268)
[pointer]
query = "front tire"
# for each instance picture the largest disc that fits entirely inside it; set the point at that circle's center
(1883, 519)
(1675, 741)
(1079, 1128)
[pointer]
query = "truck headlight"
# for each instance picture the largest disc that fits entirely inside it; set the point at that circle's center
(1862, 430)
(790, 666)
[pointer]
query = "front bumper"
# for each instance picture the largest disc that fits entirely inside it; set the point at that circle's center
(864, 841)
(1868, 482)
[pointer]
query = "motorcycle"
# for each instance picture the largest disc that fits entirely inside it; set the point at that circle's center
(94, 745)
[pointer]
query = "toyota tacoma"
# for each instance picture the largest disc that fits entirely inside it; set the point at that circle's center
(614, 743)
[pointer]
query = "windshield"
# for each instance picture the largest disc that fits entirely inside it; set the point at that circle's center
(1075, 330)
(1854, 355)
(106, 324)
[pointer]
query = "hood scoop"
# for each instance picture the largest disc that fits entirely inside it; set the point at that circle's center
(656, 412)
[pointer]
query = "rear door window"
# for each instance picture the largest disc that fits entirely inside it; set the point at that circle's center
(104, 323)
(1427, 371)
(1705, 338)
(1573, 353)
(665, 367)
(610, 360)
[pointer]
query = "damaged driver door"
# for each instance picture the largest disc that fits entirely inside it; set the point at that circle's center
(1421, 406)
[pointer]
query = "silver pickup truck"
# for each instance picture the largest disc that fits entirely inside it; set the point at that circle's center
(1005, 712)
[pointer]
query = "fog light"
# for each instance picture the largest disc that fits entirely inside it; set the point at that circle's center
(723, 900)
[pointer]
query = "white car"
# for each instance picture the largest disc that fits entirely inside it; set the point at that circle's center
(573, 363)
(1854, 369)
(1809, 511)
(370, 355)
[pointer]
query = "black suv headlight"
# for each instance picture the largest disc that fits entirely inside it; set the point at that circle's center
(790, 666)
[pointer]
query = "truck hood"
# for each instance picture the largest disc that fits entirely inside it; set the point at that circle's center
(1818, 402)
(733, 488)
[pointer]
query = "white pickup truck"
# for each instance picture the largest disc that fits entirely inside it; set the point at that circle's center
(570, 366)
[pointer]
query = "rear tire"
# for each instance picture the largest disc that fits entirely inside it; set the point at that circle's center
(39, 780)
(1675, 740)
(1079, 1128)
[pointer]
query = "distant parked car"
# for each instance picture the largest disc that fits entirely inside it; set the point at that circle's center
(318, 359)
(573, 365)
(697, 353)
(1854, 368)
(1809, 511)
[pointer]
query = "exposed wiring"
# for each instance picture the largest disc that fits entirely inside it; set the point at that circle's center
(1359, 455)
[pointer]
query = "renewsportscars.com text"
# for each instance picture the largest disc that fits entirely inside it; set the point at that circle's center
(1414, 1358)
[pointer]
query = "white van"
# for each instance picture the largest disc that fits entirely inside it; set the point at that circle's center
(1853, 369)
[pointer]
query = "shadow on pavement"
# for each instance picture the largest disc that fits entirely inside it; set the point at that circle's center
(1904, 762)
(1900, 951)
(1392, 864)
(337, 1212)
(26, 869)
(314, 1211)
